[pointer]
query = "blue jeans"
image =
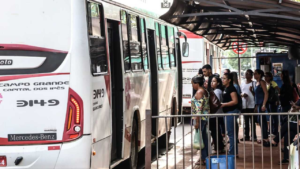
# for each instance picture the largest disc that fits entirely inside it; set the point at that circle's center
(204, 151)
(230, 129)
(264, 124)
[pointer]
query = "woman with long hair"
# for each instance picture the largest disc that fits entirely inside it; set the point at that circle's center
(230, 105)
(272, 103)
(286, 94)
(216, 85)
(200, 105)
(261, 98)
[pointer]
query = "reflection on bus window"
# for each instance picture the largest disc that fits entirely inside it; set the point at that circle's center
(164, 47)
(158, 45)
(125, 40)
(135, 53)
(171, 40)
(97, 43)
(144, 44)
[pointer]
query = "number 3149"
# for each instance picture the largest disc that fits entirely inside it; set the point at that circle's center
(31, 103)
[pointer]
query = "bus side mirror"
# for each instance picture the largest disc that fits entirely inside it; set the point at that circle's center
(185, 49)
(185, 45)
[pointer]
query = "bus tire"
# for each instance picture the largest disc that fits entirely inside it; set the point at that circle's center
(134, 145)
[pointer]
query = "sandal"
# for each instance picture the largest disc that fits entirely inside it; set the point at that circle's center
(202, 162)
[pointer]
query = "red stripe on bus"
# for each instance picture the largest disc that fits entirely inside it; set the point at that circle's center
(183, 62)
(28, 47)
(17, 77)
(190, 35)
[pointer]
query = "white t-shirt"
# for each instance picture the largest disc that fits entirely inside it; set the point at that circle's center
(248, 103)
(219, 95)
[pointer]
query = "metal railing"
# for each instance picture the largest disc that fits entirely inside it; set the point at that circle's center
(169, 118)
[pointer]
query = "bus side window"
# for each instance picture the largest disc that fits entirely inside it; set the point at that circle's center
(164, 47)
(144, 44)
(135, 45)
(157, 32)
(124, 21)
(171, 44)
(97, 38)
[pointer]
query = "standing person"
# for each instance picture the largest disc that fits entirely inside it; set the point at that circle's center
(248, 106)
(238, 90)
(230, 105)
(272, 103)
(200, 105)
(286, 94)
(216, 85)
(261, 98)
(206, 69)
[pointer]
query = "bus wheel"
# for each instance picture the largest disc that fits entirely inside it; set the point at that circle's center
(134, 145)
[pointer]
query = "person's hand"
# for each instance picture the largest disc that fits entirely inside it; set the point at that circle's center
(196, 126)
(277, 103)
(245, 95)
(251, 88)
(296, 137)
(222, 105)
(263, 108)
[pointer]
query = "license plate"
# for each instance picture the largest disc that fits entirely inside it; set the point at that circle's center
(32, 137)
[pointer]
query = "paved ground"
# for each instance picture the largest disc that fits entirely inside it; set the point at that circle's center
(191, 156)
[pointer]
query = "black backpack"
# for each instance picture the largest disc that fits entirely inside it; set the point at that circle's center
(273, 97)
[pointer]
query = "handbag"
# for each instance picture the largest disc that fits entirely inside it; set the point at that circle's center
(295, 95)
(198, 141)
(214, 102)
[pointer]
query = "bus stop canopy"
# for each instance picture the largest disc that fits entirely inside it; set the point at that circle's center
(258, 23)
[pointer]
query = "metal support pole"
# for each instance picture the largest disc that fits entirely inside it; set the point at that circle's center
(148, 139)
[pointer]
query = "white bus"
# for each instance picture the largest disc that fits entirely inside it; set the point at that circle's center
(191, 66)
(76, 78)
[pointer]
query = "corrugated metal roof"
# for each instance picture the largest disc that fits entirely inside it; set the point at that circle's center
(255, 22)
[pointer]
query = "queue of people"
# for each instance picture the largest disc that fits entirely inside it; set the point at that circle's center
(261, 95)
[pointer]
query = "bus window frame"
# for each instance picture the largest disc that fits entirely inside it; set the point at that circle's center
(130, 39)
(159, 37)
(102, 35)
(146, 42)
(167, 44)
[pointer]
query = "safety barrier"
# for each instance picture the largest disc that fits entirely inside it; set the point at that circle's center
(169, 118)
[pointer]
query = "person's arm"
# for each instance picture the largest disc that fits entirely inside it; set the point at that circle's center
(264, 87)
(234, 101)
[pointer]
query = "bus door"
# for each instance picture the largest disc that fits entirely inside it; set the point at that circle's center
(117, 88)
(154, 78)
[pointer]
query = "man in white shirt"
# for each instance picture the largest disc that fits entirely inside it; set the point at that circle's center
(248, 105)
